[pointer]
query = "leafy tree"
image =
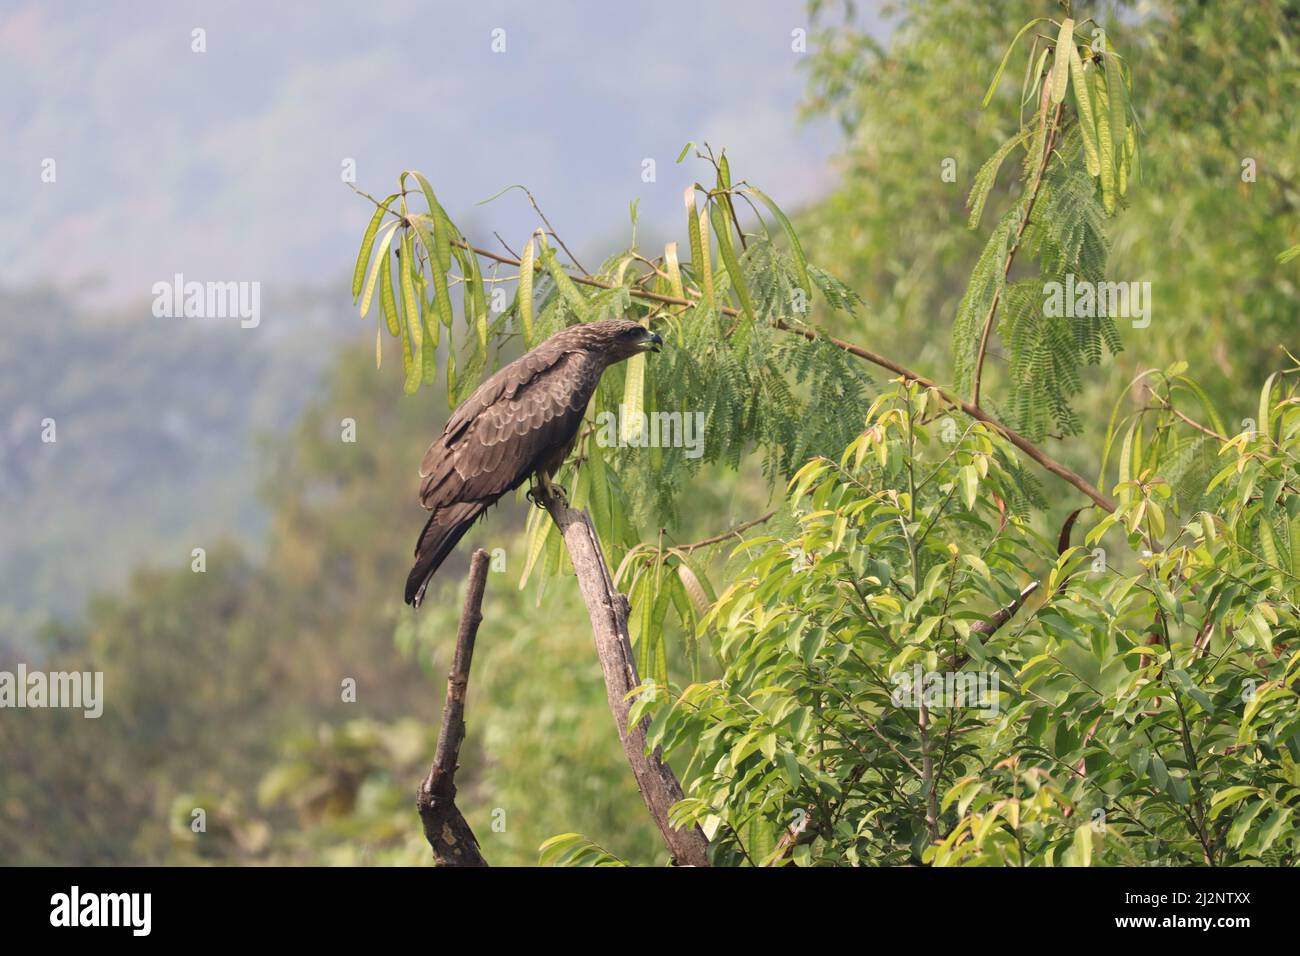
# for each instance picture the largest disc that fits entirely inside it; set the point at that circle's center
(1204, 229)
(1133, 710)
(1135, 691)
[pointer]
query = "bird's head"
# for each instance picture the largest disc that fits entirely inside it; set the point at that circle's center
(621, 338)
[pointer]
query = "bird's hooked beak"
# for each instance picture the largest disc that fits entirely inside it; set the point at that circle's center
(652, 342)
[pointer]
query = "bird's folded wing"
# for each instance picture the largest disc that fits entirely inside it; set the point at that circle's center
(502, 433)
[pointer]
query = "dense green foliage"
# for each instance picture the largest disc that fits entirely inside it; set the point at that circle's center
(1213, 85)
(1146, 716)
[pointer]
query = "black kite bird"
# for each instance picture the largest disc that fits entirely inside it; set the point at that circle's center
(520, 423)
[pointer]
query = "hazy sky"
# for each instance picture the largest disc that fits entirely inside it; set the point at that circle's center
(225, 165)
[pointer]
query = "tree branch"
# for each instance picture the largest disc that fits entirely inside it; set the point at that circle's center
(974, 411)
(450, 836)
(736, 532)
(608, 610)
(994, 622)
(987, 332)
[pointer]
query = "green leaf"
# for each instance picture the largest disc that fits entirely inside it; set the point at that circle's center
(674, 270)
(1087, 122)
(367, 245)
(1241, 823)
(1032, 91)
(1266, 406)
(526, 292)
(554, 848)
(1215, 421)
(477, 298)
(429, 345)
(1117, 102)
(538, 529)
(443, 246)
(796, 248)
(1061, 61)
(997, 77)
(976, 562)
(699, 250)
(1126, 463)
(988, 175)
(440, 255)
(379, 264)
(970, 484)
(722, 229)
(576, 300)
(1106, 145)
(601, 500)
(1272, 828)
(412, 313)
(1159, 773)
(387, 305)
(1083, 836)
(633, 395)
(451, 375)
(1228, 797)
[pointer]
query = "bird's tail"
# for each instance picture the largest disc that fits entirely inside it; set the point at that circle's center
(445, 528)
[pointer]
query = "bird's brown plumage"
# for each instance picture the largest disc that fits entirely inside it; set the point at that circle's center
(520, 422)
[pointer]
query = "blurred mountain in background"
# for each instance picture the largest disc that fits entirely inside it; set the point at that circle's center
(156, 427)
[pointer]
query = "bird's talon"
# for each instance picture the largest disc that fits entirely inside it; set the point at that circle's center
(544, 490)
